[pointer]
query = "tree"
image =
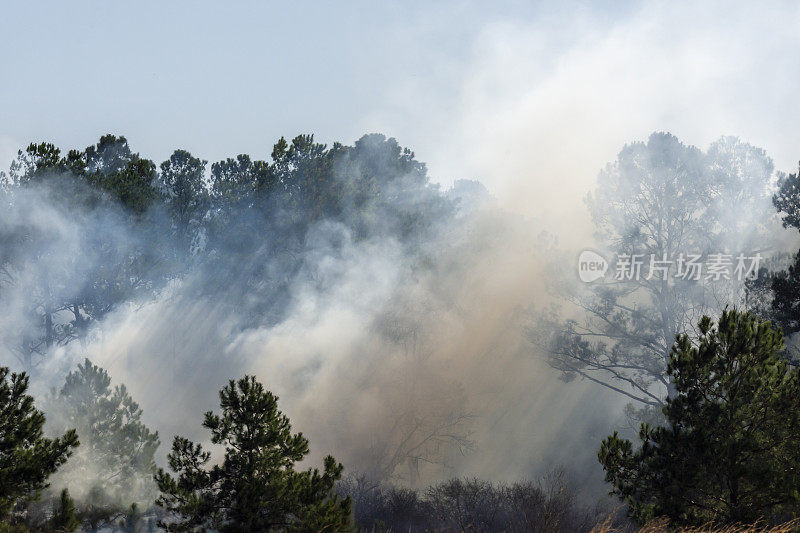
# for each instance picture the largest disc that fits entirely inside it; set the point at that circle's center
(236, 182)
(132, 519)
(256, 488)
(65, 518)
(27, 458)
(728, 452)
(389, 192)
(263, 212)
(27, 248)
(462, 505)
(787, 200)
(70, 282)
(304, 169)
(237, 223)
(785, 288)
(785, 309)
(112, 167)
(117, 453)
(666, 201)
(182, 177)
(109, 156)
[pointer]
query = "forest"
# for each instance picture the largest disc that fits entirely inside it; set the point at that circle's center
(320, 338)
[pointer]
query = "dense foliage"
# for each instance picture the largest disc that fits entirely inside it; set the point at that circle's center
(115, 463)
(728, 452)
(256, 488)
(27, 457)
(243, 219)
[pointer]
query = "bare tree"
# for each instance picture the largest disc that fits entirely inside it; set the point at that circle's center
(656, 208)
(426, 414)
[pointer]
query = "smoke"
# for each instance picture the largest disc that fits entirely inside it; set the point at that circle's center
(538, 102)
(403, 368)
(404, 358)
(402, 352)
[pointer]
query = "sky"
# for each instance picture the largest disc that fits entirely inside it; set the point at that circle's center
(530, 98)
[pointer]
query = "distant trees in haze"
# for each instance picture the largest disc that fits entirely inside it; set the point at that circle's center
(660, 199)
(129, 229)
(785, 284)
(114, 466)
(88, 231)
(550, 504)
(139, 225)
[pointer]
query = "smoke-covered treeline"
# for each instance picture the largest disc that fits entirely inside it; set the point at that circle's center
(675, 208)
(394, 319)
(340, 272)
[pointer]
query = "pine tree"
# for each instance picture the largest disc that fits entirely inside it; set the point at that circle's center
(186, 197)
(118, 449)
(65, 518)
(131, 520)
(786, 283)
(27, 458)
(256, 488)
(728, 452)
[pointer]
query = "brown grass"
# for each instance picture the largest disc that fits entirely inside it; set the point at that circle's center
(660, 526)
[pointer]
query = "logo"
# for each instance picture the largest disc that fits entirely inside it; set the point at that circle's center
(591, 266)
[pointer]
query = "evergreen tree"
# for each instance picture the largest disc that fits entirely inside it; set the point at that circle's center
(65, 518)
(111, 166)
(728, 452)
(99, 510)
(87, 188)
(130, 523)
(786, 283)
(786, 297)
(256, 488)
(116, 457)
(182, 177)
(27, 458)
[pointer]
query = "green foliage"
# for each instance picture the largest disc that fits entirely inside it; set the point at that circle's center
(133, 517)
(134, 186)
(65, 517)
(39, 162)
(785, 287)
(728, 452)
(256, 488)
(84, 188)
(787, 199)
(111, 166)
(786, 284)
(14, 528)
(110, 155)
(182, 177)
(235, 180)
(99, 510)
(27, 458)
(117, 452)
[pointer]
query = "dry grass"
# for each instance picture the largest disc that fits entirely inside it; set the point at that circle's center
(660, 526)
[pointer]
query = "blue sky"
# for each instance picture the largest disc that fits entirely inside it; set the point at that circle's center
(217, 77)
(524, 96)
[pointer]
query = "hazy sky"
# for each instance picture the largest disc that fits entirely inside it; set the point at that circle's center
(531, 99)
